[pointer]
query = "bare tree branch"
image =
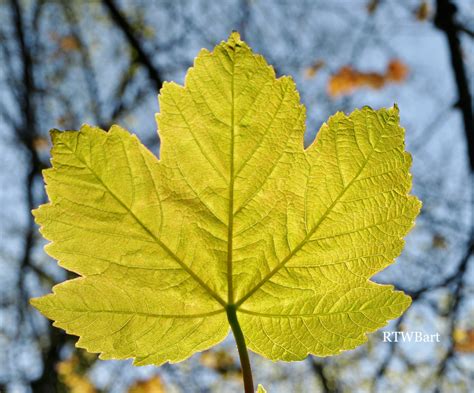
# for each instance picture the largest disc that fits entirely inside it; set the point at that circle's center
(134, 42)
(86, 62)
(26, 132)
(445, 21)
(326, 384)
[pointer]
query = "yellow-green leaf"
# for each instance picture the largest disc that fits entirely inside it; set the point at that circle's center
(261, 389)
(235, 211)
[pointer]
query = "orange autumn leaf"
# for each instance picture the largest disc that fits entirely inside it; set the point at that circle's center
(313, 69)
(372, 6)
(347, 79)
(220, 361)
(64, 44)
(69, 43)
(396, 71)
(423, 11)
(152, 385)
(40, 143)
(70, 375)
(439, 241)
(464, 340)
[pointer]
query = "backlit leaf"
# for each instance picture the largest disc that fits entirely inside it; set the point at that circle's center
(235, 211)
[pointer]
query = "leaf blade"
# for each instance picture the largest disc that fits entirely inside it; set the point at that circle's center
(325, 327)
(128, 320)
(236, 212)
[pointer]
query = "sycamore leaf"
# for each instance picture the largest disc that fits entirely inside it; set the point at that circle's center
(235, 212)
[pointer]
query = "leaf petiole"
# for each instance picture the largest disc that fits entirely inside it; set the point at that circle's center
(231, 310)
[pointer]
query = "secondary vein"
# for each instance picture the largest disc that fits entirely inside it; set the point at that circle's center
(277, 268)
(153, 236)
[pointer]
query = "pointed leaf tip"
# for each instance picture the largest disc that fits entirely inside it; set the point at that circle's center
(234, 38)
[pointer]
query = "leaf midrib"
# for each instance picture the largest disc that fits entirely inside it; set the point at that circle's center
(230, 225)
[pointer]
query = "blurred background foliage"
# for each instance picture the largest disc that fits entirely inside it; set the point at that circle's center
(63, 63)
